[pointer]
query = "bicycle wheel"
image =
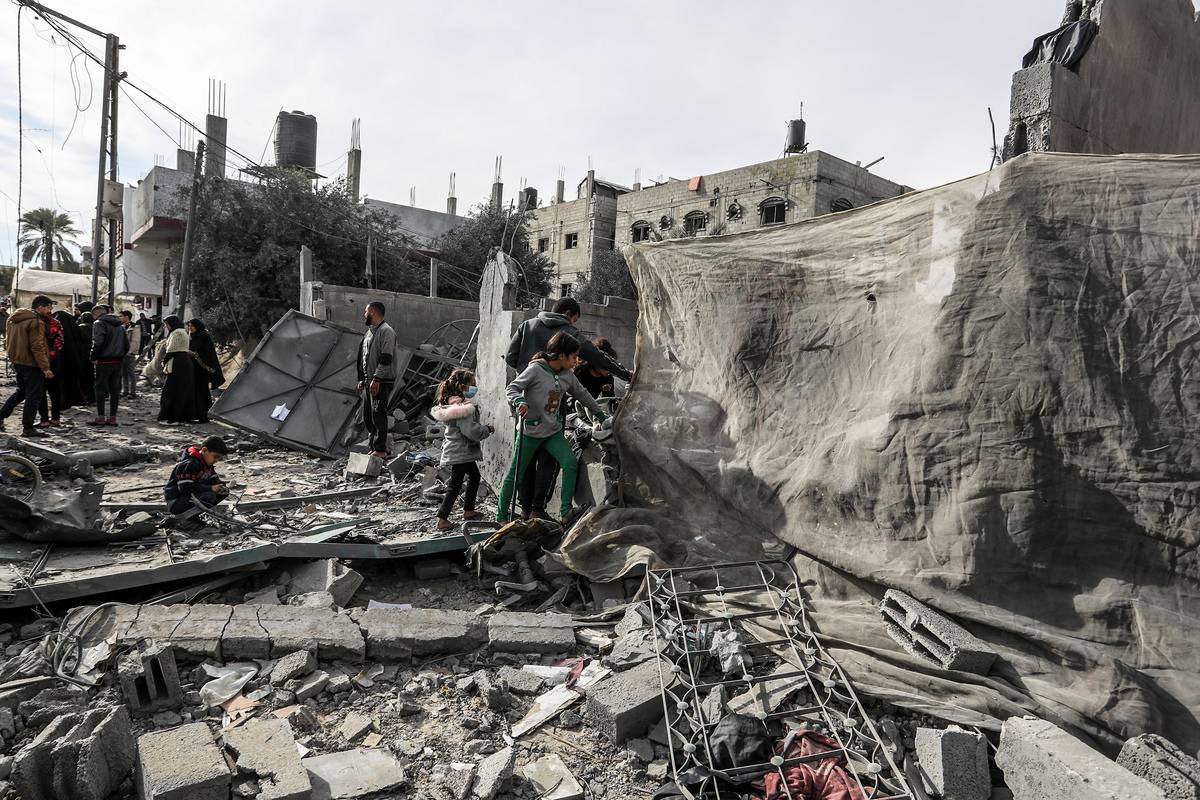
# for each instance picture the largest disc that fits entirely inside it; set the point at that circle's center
(19, 476)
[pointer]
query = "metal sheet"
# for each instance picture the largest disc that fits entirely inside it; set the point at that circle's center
(320, 546)
(247, 506)
(307, 365)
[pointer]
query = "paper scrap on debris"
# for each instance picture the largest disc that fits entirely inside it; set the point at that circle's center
(281, 412)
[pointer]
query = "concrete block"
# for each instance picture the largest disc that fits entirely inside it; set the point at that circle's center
(524, 632)
(244, 638)
(267, 749)
(198, 636)
(182, 763)
(395, 634)
(149, 678)
(95, 756)
(493, 690)
(627, 703)
(493, 773)
(431, 569)
(33, 767)
(363, 465)
(293, 665)
(954, 763)
(50, 703)
(924, 632)
(326, 575)
(354, 726)
(18, 691)
(1043, 762)
(1163, 764)
(157, 623)
(276, 631)
(520, 681)
(310, 686)
(352, 774)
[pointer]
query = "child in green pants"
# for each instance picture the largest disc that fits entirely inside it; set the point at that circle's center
(537, 395)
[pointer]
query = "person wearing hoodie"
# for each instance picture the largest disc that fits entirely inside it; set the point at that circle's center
(537, 395)
(109, 347)
(25, 343)
(193, 480)
(456, 409)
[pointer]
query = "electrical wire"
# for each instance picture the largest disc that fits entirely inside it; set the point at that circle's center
(20, 127)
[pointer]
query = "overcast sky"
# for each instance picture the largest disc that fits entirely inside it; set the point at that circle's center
(674, 88)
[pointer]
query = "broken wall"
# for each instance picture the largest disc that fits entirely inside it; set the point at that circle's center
(982, 395)
(413, 316)
(1133, 92)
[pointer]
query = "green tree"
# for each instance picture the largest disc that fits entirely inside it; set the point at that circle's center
(245, 253)
(467, 249)
(609, 278)
(44, 235)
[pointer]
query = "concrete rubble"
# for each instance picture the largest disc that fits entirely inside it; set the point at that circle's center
(1162, 764)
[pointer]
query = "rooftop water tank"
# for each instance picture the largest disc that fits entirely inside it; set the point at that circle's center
(296, 140)
(795, 137)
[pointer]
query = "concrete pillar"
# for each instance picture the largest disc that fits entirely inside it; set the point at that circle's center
(452, 205)
(185, 160)
(497, 194)
(560, 189)
(637, 186)
(353, 172)
(216, 131)
(591, 184)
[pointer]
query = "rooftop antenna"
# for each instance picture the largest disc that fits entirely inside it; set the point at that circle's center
(412, 196)
(451, 194)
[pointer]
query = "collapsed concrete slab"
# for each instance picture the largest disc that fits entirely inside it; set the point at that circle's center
(1163, 764)
(352, 774)
(1043, 762)
(182, 763)
(266, 748)
(924, 632)
(522, 632)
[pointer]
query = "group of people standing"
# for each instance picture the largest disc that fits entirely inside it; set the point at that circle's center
(555, 363)
(63, 360)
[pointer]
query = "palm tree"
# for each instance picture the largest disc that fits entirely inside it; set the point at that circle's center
(45, 235)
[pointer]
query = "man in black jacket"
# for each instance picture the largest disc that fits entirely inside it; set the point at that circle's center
(109, 346)
(531, 338)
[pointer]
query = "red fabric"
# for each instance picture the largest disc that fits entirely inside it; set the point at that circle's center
(54, 337)
(813, 780)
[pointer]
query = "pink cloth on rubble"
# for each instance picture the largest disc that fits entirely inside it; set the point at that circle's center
(813, 780)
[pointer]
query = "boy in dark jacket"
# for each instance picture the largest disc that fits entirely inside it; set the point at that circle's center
(194, 477)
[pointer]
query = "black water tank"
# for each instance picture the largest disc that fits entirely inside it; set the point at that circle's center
(296, 140)
(795, 137)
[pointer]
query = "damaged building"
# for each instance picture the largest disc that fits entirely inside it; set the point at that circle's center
(898, 505)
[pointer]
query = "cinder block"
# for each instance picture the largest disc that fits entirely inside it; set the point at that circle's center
(33, 766)
(1163, 764)
(293, 665)
(524, 632)
(149, 678)
(363, 465)
(199, 635)
(396, 634)
(331, 634)
(626, 704)
(1043, 762)
(244, 638)
(182, 763)
(157, 623)
(267, 748)
(954, 763)
(95, 756)
(924, 632)
(326, 575)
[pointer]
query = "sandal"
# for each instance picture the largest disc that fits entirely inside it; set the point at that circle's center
(444, 524)
(469, 515)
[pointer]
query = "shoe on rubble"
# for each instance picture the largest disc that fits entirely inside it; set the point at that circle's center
(97, 421)
(33, 433)
(444, 524)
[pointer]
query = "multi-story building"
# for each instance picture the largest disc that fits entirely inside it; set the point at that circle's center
(606, 215)
(571, 232)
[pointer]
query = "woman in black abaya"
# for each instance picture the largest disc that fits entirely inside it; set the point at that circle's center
(208, 375)
(178, 403)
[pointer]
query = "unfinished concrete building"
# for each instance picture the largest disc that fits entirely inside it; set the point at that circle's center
(1118, 76)
(571, 233)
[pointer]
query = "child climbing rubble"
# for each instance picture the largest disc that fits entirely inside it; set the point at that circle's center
(458, 411)
(194, 477)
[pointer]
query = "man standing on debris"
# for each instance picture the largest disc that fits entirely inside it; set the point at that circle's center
(87, 377)
(25, 342)
(109, 347)
(530, 339)
(193, 480)
(377, 375)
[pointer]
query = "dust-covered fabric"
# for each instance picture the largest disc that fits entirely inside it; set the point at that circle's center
(983, 395)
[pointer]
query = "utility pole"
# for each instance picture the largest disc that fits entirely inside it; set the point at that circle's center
(190, 231)
(108, 140)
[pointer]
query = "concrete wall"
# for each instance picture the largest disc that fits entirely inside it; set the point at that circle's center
(157, 200)
(809, 183)
(1134, 91)
(553, 223)
(425, 226)
(413, 316)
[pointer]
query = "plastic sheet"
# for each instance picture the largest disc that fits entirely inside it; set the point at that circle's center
(983, 395)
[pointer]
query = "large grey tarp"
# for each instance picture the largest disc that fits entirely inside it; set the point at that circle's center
(984, 395)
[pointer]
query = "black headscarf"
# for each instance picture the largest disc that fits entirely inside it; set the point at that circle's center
(172, 322)
(197, 323)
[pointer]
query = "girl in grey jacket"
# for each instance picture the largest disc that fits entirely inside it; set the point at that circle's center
(537, 395)
(457, 411)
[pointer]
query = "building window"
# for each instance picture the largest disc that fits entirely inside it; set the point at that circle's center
(641, 231)
(572, 241)
(665, 223)
(695, 222)
(840, 204)
(565, 289)
(543, 245)
(773, 211)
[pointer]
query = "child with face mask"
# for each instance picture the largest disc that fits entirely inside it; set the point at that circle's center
(455, 407)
